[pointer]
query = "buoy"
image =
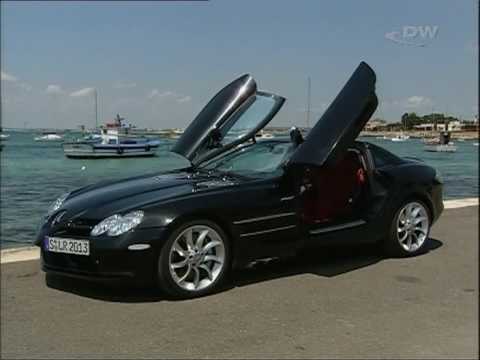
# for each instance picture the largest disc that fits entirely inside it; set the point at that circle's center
(83, 167)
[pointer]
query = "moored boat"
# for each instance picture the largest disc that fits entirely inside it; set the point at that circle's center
(400, 137)
(262, 134)
(443, 144)
(49, 136)
(113, 142)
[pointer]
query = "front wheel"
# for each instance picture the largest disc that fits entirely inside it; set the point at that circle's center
(194, 260)
(409, 230)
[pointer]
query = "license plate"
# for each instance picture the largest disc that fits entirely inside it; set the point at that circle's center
(67, 246)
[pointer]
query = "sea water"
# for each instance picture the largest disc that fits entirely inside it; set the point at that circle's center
(34, 174)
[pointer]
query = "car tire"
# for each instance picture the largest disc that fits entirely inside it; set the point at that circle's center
(189, 266)
(409, 229)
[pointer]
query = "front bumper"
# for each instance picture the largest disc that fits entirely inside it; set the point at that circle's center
(110, 258)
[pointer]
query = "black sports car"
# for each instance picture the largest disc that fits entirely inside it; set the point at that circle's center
(244, 199)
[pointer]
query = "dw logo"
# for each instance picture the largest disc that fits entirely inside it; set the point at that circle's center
(413, 35)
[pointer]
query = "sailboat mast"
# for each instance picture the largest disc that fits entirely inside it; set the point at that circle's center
(96, 110)
(309, 86)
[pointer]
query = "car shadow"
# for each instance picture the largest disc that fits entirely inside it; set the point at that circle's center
(325, 262)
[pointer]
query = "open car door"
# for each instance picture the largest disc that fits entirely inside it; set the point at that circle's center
(334, 194)
(234, 115)
(341, 123)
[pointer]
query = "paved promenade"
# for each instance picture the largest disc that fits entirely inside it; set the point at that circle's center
(332, 304)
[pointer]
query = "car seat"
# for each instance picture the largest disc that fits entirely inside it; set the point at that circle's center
(334, 191)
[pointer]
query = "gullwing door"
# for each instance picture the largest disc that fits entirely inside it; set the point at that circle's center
(234, 115)
(341, 123)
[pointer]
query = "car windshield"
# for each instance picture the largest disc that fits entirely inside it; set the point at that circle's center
(259, 159)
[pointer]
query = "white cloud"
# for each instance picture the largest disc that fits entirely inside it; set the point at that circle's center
(54, 89)
(13, 79)
(122, 85)
(413, 102)
(155, 93)
(184, 99)
(418, 101)
(8, 77)
(83, 92)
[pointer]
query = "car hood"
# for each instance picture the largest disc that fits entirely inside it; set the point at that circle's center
(106, 198)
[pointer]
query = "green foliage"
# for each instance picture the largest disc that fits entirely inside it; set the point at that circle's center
(409, 120)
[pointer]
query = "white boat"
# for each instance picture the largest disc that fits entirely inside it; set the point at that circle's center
(475, 144)
(441, 148)
(4, 137)
(262, 135)
(401, 137)
(52, 137)
(113, 142)
(443, 144)
(175, 133)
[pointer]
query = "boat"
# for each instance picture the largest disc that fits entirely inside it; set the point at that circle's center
(4, 137)
(114, 141)
(435, 141)
(400, 137)
(431, 141)
(49, 136)
(263, 135)
(91, 138)
(175, 133)
(475, 144)
(443, 144)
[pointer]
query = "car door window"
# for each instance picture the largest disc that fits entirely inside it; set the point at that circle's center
(247, 118)
(242, 124)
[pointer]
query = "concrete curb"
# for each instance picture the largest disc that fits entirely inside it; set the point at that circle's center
(20, 254)
(458, 203)
(32, 252)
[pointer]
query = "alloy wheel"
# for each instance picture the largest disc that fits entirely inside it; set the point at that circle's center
(196, 258)
(412, 226)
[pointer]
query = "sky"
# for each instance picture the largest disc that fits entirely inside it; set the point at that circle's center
(158, 63)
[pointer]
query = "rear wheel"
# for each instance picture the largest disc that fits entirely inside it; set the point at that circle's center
(409, 230)
(195, 259)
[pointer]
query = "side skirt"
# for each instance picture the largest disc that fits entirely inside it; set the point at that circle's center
(338, 227)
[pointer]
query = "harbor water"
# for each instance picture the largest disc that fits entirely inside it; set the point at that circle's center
(34, 174)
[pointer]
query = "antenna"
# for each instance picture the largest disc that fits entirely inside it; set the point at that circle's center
(309, 86)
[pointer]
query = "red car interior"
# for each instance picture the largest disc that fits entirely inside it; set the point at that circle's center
(333, 192)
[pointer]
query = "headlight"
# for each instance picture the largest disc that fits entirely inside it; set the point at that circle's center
(117, 224)
(57, 204)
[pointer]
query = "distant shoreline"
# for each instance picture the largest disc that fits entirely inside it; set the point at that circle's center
(466, 135)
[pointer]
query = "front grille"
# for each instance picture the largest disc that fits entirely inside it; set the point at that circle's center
(81, 228)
